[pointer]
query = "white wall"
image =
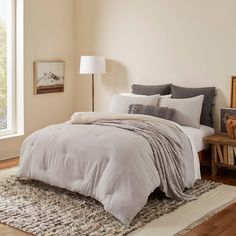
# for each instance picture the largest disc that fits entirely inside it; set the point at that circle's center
(48, 35)
(188, 43)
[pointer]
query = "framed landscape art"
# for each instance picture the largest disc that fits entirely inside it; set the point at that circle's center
(49, 77)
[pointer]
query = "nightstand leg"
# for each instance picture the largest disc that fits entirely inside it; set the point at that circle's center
(213, 160)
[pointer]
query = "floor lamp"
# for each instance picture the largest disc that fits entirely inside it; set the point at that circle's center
(92, 65)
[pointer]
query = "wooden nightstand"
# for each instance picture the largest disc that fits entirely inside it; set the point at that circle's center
(223, 152)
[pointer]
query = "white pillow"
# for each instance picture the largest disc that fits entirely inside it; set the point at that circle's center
(139, 95)
(187, 110)
(166, 96)
(120, 103)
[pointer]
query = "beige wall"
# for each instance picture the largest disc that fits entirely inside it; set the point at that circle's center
(48, 35)
(188, 43)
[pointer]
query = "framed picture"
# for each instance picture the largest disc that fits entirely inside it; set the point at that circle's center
(224, 112)
(233, 92)
(49, 77)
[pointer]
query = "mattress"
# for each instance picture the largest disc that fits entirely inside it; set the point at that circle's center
(198, 135)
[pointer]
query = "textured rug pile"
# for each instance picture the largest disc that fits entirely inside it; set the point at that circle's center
(40, 209)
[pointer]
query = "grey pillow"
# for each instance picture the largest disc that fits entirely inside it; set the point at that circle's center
(151, 89)
(209, 94)
(161, 112)
(187, 110)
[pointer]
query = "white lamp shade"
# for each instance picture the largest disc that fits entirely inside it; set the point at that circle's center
(92, 65)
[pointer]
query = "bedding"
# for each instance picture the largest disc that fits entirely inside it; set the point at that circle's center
(209, 94)
(168, 161)
(198, 135)
(187, 110)
(120, 103)
(114, 165)
(162, 89)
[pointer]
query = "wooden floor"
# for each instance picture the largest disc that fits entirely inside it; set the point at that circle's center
(9, 163)
(221, 224)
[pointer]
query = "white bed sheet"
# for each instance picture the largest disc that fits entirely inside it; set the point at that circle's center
(198, 135)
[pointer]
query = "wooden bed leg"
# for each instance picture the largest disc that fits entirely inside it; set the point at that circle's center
(213, 160)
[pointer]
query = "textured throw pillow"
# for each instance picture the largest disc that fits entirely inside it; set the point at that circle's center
(120, 103)
(208, 92)
(161, 112)
(151, 89)
(187, 110)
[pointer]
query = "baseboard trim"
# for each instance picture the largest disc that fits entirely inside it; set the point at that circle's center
(9, 163)
(8, 158)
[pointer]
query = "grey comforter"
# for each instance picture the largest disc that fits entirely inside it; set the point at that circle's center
(167, 152)
(116, 166)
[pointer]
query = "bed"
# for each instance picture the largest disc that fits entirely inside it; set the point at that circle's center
(117, 158)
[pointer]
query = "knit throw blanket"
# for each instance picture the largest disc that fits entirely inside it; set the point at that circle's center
(167, 152)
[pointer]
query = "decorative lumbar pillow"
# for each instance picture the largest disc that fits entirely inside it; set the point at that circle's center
(209, 94)
(187, 110)
(151, 89)
(120, 103)
(161, 112)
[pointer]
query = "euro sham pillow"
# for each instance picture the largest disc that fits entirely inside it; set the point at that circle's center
(187, 110)
(209, 94)
(120, 103)
(163, 89)
(161, 112)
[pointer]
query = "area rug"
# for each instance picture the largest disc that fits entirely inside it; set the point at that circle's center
(40, 209)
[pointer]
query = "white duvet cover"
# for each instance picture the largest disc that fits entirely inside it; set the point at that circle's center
(198, 135)
(114, 166)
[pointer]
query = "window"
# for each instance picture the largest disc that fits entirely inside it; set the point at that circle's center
(7, 67)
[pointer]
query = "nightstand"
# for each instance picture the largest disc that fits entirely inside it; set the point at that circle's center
(223, 152)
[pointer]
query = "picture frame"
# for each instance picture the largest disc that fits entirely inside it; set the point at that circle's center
(222, 115)
(233, 92)
(49, 77)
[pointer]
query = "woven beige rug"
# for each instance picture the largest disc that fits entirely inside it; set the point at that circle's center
(190, 215)
(44, 210)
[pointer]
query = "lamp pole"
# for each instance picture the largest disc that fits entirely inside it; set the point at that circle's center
(93, 92)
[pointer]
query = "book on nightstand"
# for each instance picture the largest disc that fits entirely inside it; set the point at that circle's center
(233, 159)
(219, 151)
(225, 154)
(231, 155)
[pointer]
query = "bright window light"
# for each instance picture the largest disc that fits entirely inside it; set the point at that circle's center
(7, 67)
